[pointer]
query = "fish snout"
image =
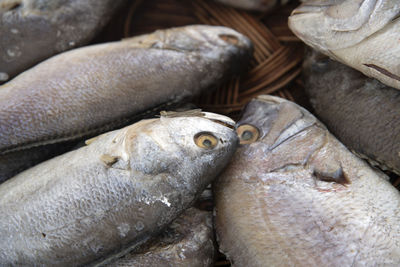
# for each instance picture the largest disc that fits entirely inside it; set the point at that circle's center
(226, 41)
(223, 36)
(308, 24)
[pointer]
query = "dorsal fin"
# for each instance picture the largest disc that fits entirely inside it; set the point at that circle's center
(186, 113)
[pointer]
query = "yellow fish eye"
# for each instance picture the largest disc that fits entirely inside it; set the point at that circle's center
(247, 134)
(205, 140)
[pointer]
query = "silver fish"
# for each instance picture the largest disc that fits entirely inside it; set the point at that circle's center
(113, 194)
(293, 195)
(94, 89)
(33, 30)
(188, 241)
(362, 112)
(254, 5)
(363, 34)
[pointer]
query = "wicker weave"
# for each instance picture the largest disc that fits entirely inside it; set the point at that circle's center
(276, 62)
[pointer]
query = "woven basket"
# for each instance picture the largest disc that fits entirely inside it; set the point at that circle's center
(278, 54)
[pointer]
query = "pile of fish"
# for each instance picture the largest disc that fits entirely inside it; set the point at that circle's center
(94, 89)
(293, 195)
(90, 177)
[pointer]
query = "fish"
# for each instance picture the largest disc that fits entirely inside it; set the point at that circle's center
(362, 34)
(187, 241)
(360, 111)
(34, 30)
(91, 90)
(293, 195)
(254, 5)
(108, 197)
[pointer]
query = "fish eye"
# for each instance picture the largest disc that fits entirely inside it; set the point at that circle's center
(247, 134)
(205, 140)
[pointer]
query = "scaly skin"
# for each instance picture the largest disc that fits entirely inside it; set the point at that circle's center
(188, 241)
(90, 90)
(121, 189)
(34, 30)
(360, 33)
(362, 112)
(298, 197)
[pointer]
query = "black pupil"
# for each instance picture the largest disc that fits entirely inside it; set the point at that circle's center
(207, 143)
(247, 135)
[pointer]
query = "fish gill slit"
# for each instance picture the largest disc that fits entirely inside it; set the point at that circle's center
(383, 71)
(287, 167)
(292, 136)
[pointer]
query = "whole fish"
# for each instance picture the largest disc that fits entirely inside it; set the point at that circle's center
(363, 34)
(293, 195)
(187, 241)
(254, 5)
(33, 30)
(90, 90)
(362, 112)
(113, 194)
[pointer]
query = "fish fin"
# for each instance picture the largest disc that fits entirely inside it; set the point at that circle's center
(186, 113)
(91, 140)
(383, 71)
(337, 176)
(108, 160)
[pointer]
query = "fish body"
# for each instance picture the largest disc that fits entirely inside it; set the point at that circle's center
(295, 196)
(362, 112)
(113, 194)
(91, 90)
(187, 241)
(254, 5)
(33, 30)
(362, 34)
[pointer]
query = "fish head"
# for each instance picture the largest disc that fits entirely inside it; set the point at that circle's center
(334, 24)
(271, 120)
(279, 136)
(292, 187)
(216, 42)
(192, 148)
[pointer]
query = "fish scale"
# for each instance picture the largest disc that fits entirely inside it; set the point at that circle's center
(343, 98)
(187, 241)
(76, 208)
(91, 90)
(366, 39)
(306, 202)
